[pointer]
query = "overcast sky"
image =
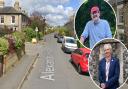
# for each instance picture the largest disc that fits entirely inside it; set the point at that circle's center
(56, 12)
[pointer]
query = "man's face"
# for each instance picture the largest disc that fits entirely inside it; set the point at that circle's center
(107, 52)
(95, 16)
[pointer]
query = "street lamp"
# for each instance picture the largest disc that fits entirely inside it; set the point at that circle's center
(44, 24)
(36, 32)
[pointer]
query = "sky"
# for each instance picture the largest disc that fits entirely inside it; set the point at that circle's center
(56, 12)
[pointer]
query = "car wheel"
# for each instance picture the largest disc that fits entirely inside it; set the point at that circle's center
(71, 61)
(62, 47)
(64, 50)
(57, 41)
(79, 69)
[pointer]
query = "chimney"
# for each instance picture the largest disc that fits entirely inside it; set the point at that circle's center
(1, 3)
(17, 5)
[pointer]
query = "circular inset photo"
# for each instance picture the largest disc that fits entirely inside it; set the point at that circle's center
(94, 21)
(108, 64)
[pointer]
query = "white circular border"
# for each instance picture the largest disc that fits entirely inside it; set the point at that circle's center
(75, 21)
(91, 52)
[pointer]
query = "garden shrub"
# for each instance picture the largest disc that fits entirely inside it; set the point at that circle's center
(4, 45)
(19, 39)
(29, 33)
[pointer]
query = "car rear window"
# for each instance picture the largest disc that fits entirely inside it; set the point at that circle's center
(71, 41)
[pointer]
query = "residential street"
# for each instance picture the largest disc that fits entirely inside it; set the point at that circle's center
(42, 44)
(63, 76)
(53, 70)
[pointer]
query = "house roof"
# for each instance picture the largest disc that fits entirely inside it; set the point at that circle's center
(9, 10)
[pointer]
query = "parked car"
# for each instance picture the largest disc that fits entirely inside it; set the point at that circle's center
(55, 35)
(60, 39)
(69, 44)
(80, 58)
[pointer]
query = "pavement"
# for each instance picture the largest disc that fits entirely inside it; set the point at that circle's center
(15, 76)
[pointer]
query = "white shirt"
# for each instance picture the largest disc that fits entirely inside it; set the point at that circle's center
(107, 69)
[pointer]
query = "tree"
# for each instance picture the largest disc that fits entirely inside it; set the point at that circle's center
(37, 20)
(70, 26)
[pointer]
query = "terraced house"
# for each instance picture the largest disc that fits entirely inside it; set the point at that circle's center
(126, 22)
(121, 8)
(12, 17)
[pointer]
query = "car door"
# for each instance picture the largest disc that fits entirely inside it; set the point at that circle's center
(75, 55)
(79, 56)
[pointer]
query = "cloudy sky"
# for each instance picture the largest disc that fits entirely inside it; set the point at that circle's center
(56, 12)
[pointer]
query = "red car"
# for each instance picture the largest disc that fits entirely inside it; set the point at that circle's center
(80, 58)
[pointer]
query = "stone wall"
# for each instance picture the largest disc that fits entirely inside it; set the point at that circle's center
(119, 52)
(126, 23)
(10, 60)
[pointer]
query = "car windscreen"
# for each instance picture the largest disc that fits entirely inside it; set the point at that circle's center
(71, 41)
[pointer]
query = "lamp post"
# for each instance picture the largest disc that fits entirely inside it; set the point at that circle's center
(44, 24)
(36, 32)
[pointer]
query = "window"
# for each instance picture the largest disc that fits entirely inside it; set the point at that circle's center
(1, 19)
(120, 14)
(71, 41)
(78, 51)
(13, 19)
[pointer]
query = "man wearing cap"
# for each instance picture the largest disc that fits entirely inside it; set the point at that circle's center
(96, 29)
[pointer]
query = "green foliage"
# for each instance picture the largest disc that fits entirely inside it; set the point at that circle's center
(79, 44)
(67, 32)
(29, 33)
(4, 46)
(34, 24)
(49, 30)
(19, 39)
(40, 35)
(63, 31)
(38, 22)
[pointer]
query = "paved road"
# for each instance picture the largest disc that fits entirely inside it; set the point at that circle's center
(54, 71)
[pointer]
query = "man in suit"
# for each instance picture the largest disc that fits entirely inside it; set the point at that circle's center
(109, 70)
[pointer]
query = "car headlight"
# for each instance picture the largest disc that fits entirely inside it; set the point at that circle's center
(66, 46)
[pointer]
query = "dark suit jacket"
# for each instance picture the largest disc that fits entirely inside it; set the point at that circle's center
(114, 73)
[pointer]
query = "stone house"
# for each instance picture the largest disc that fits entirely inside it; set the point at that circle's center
(121, 8)
(12, 17)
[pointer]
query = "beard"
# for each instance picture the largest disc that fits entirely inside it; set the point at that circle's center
(96, 20)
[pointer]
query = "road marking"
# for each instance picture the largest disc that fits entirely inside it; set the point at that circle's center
(48, 73)
(48, 77)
